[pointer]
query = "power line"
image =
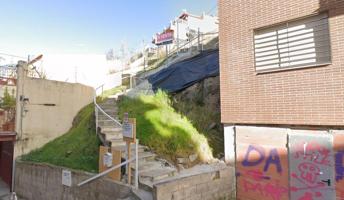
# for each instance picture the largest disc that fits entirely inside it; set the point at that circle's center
(6, 54)
(212, 9)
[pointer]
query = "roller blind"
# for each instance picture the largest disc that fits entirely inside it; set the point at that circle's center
(299, 43)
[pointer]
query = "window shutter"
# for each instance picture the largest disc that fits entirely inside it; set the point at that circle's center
(300, 43)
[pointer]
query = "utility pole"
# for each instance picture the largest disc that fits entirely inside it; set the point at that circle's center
(177, 35)
(144, 55)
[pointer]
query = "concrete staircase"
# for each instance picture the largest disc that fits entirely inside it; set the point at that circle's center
(151, 168)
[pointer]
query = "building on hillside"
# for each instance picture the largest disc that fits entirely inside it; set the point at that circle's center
(187, 25)
(9, 84)
(282, 97)
(184, 28)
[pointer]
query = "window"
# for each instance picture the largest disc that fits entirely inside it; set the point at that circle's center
(300, 43)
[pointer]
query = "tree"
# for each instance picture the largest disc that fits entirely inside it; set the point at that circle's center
(8, 101)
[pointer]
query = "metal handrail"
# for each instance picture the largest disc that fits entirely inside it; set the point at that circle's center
(118, 166)
(105, 172)
(98, 108)
(192, 40)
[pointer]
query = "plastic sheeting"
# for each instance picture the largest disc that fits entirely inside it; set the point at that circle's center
(185, 73)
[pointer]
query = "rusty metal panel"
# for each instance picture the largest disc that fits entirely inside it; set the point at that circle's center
(261, 163)
(311, 165)
(6, 161)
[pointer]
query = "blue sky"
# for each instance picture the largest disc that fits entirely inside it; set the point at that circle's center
(85, 26)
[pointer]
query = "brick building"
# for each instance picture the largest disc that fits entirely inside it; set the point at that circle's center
(282, 97)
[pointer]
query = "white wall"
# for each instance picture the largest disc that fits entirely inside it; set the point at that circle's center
(205, 23)
(41, 123)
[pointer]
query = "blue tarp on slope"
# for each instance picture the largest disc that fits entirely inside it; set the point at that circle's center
(185, 73)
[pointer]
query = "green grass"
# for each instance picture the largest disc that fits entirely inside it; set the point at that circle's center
(112, 91)
(164, 130)
(77, 149)
(154, 64)
(194, 111)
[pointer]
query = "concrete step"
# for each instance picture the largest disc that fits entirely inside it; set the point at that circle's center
(157, 174)
(115, 128)
(108, 102)
(115, 132)
(120, 145)
(141, 148)
(147, 165)
(143, 156)
(111, 129)
(104, 117)
(106, 123)
(112, 132)
(142, 194)
(109, 107)
(117, 143)
(111, 137)
(112, 113)
(146, 185)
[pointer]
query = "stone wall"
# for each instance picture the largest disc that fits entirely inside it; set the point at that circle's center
(214, 183)
(42, 181)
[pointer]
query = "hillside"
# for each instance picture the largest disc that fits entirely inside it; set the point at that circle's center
(76, 149)
(159, 126)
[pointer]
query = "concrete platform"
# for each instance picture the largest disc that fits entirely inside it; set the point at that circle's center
(4, 191)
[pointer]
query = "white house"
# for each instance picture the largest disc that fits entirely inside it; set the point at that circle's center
(187, 25)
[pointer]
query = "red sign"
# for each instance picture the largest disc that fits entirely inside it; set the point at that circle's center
(164, 38)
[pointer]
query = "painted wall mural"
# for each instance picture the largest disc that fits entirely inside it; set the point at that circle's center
(286, 164)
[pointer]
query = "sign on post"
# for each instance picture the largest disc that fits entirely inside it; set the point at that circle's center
(107, 160)
(67, 178)
(129, 129)
(129, 136)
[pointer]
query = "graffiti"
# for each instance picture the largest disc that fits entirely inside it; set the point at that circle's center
(309, 171)
(273, 158)
(339, 168)
(254, 182)
(339, 160)
(261, 174)
(313, 152)
(309, 196)
(250, 163)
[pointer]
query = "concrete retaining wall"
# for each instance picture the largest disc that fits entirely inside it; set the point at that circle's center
(41, 182)
(47, 111)
(218, 182)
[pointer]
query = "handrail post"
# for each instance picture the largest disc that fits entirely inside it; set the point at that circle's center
(198, 40)
(96, 109)
(105, 172)
(137, 164)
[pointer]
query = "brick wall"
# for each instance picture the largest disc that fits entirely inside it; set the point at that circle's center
(216, 183)
(312, 96)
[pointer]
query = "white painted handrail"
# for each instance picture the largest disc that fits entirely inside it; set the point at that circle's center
(99, 109)
(105, 172)
(118, 166)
